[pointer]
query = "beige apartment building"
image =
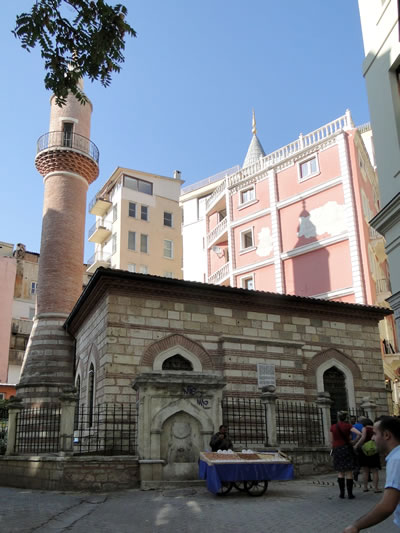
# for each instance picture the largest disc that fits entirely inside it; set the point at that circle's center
(138, 224)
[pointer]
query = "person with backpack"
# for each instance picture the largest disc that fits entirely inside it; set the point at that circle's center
(368, 455)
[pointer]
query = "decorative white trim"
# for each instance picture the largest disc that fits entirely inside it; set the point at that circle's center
(247, 204)
(304, 160)
(65, 173)
(275, 232)
(69, 119)
(349, 382)
(231, 241)
(251, 217)
(310, 192)
(351, 220)
(161, 357)
(253, 266)
(314, 246)
(334, 294)
(246, 277)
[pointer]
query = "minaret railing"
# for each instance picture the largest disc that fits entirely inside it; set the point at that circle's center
(74, 141)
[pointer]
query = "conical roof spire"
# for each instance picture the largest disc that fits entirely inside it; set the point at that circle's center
(255, 150)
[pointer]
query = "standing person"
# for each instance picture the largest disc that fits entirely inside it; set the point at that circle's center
(369, 464)
(221, 440)
(343, 454)
(354, 438)
(387, 438)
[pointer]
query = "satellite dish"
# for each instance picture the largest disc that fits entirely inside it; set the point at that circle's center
(216, 249)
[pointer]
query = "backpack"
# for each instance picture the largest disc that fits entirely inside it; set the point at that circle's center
(369, 448)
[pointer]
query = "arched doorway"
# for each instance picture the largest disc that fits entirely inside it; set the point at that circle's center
(335, 384)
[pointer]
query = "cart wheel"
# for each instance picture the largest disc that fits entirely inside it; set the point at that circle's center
(240, 485)
(256, 488)
(226, 487)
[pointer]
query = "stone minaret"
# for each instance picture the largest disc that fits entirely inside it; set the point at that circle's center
(68, 162)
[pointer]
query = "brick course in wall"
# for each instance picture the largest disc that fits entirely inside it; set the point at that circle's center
(129, 319)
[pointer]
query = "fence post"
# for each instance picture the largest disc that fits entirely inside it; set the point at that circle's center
(14, 407)
(268, 398)
(68, 403)
(324, 403)
(369, 407)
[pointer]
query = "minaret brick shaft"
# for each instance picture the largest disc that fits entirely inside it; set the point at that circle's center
(68, 162)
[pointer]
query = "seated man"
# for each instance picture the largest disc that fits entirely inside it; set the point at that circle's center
(221, 440)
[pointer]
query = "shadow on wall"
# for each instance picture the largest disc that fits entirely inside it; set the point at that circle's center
(310, 270)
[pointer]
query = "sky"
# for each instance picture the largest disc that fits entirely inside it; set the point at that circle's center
(185, 94)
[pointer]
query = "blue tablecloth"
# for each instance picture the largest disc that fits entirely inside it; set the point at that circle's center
(215, 474)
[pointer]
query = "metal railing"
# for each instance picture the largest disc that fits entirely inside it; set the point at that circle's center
(99, 225)
(58, 139)
(300, 424)
(211, 179)
(99, 256)
(94, 200)
(106, 429)
(38, 430)
(246, 420)
(3, 429)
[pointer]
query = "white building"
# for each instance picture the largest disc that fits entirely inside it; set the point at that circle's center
(381, 69)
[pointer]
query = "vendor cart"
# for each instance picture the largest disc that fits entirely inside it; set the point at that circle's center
(248, 472)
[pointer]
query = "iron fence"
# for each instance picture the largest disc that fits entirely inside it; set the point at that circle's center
(300, 424)
(38, 430)
(3, 429)
(246, 420)
(106, 429)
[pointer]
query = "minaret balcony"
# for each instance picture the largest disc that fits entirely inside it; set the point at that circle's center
(99, 259)
(218, 234)
(99, 232)
(99, 206)
(58, 151)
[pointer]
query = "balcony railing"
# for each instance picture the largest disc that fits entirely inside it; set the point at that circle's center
(302, 143)
(373, 234)
(103, 227)
(217, 231)
(99, 257)
(103, 204)
(220, 274)
(382, 286)
(61, 139)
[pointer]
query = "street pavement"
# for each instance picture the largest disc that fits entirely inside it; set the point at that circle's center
(308, 505)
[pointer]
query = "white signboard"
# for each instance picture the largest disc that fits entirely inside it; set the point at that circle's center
(265, 375)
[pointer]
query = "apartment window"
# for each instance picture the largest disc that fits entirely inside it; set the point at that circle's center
(167, 219)
(144, 269)
(144, 243)
(248, 283)
(168, 249)
(132, 210)
(138, 185)
(114, 243)
(132, 240)
(168, 274)
(248, 195)
(34, 287)
(144, 212)
(308, 168)
(114, 213)
(131, 267)
(68, 128)
(246, 239)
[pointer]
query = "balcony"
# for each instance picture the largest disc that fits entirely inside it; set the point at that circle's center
(383, 289)
(220, 275)
(99, 232)
(64, 151)
(99, 206)
(99, 259)
(219, 231)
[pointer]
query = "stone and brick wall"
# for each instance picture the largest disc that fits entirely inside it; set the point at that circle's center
(127, 319)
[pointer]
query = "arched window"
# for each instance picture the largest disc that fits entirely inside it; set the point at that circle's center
(177, 362)
(90, 395)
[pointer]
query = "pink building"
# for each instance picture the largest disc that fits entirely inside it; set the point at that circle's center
(296, 221)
